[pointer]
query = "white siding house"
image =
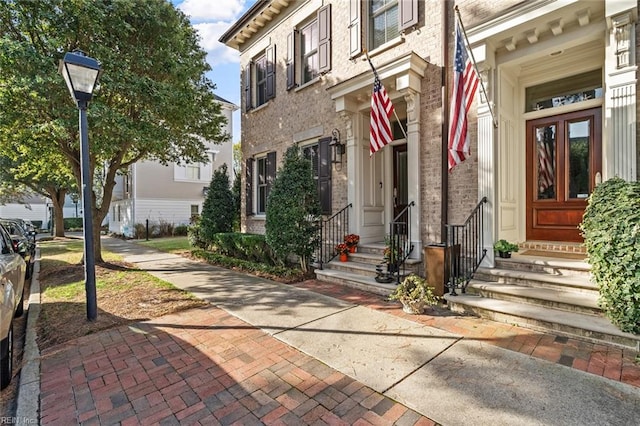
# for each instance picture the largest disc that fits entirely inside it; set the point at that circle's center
(172, 193)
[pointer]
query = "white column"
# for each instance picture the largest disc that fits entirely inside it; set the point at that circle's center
(353, 169)
(619, 142)
(412, 99)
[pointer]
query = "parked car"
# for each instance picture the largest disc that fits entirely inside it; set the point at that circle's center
(12, 275)
(28, 228)
(22, 244)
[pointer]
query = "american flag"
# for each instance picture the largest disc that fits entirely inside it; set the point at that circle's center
(465, 84)
(381, 110)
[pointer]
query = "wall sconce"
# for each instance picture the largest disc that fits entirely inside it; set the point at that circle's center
(337, 147)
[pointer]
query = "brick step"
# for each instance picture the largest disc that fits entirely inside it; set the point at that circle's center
(587, 327)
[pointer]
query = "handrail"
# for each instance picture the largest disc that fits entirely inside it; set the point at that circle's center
(399, 242)
(330, 232)
(465, 249)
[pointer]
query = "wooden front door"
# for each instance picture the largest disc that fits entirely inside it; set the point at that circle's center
(564, 156)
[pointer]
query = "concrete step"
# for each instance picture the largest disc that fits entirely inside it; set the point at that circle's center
(545, 265)
(570, 282)
(353, 280)
(581, 302)
(573, 324)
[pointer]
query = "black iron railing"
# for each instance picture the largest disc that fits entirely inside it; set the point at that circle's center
(331, 231)
(465, 249)
(399, 245)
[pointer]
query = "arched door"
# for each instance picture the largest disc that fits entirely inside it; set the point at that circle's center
(564, 158)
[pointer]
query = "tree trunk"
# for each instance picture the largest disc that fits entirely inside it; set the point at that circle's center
(57, 197)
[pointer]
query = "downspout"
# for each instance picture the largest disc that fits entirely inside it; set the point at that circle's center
(444, 206)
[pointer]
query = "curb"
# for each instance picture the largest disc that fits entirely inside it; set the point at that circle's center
(28, 405)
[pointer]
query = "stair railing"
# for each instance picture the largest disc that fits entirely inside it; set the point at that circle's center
(464, 249)
(399, 243)
(330, 232)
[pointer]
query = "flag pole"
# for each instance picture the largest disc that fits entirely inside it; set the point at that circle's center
(473, 61)
(375, 73)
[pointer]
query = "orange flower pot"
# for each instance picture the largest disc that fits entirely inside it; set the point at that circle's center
(344, 257)
(352, 249)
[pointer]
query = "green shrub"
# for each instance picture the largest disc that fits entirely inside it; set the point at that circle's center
(180, 230)
(611, 228)
(250, 247)
(218, 207)
(194, 235)
(259, 269)
(72, 223)
(293, 209)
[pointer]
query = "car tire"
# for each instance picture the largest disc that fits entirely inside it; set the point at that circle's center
(6, 358)
(20, 307)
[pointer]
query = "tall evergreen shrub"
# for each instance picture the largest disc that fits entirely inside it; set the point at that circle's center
(611, 228)
(292, 209)
(218, 208)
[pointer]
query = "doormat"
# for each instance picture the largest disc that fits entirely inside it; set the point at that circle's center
(556, 254)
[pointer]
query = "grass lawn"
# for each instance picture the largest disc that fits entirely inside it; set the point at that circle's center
(124, 294)
(177, 245)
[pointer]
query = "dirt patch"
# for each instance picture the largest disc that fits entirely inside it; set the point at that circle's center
(126, 295)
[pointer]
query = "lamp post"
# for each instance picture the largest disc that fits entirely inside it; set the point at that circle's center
(81, 73)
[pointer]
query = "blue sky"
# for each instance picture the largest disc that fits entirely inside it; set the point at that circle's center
(211, 18)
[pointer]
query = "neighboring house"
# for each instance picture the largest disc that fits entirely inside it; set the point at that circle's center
(561, 80)
(172, 194)
(34, 208)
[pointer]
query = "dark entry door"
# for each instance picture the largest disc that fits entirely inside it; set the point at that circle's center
(400, 182)
(564, 155)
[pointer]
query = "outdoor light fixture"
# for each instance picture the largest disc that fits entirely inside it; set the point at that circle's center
(81, 73)
(337, 147)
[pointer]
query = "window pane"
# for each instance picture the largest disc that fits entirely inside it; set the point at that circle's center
(311, 68)
(383, 22)
(579, 159)
(546, 153)
(565, 91)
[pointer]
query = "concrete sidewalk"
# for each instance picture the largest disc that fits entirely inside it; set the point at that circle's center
(289, 355)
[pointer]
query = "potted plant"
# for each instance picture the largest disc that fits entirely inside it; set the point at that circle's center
(391, 255)
(352, 240)
(414, 294)
(343, 251)
(504, 248)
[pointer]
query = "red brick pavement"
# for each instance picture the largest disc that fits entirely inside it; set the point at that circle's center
(612, 362)
(205, 367)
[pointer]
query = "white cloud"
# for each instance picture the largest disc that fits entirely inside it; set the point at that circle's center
(208, 10)
(218, 52)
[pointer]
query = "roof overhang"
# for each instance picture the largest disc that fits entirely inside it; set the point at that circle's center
(254, 19)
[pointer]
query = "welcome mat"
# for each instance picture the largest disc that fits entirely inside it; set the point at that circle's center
(556, 254)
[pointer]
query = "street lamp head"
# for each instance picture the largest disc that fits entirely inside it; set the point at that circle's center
(81, 73)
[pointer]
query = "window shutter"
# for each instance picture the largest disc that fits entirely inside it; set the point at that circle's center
(408, 13)
(248, 184)
(355, 32)
(271, 170)
(247, 86)
(291, 60)
(324, 175)
(270, 52)
(324, 42)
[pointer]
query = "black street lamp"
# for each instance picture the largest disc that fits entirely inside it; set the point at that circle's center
(81, 73)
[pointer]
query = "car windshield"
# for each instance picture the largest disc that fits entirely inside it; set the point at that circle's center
(13, 228)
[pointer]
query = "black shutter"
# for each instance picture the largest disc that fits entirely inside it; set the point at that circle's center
(271, 170)
(324, 175)
(407, 13)
(247, 87)
(324, 41)
(271, 72)
(248, 184)
(291, 60)
(355, 32)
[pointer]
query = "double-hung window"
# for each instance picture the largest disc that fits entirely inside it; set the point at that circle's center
(309, 49)
(320, 156)
(379, 22)
(260, 174)
(260, 79)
